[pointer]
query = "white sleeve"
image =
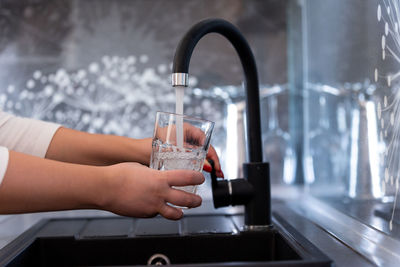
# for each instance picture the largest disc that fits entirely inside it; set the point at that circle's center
(3, 162)
(24, 135)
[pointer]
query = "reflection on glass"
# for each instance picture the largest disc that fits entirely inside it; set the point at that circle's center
(326, 157)
(277, 148)
(364, 180)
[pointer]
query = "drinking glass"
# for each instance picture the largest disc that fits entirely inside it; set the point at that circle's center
(180, 142)
(278, 150)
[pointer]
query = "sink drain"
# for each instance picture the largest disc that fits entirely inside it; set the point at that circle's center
(158, 260)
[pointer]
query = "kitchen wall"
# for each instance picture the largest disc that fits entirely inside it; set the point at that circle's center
(103, 66)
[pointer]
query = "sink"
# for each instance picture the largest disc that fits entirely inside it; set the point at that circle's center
(197, 240)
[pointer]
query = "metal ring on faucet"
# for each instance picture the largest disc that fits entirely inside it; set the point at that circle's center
(180, 79)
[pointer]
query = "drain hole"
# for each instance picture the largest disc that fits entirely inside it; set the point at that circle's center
(158, 260)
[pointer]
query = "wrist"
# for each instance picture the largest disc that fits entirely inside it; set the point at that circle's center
(103, 188)
(141, 150)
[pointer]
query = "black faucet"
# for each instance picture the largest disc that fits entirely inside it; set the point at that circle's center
(254, 190)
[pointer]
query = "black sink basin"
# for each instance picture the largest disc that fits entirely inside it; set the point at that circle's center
(196, 240)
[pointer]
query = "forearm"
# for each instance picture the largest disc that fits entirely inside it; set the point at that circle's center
(32, 184)
(95, 149)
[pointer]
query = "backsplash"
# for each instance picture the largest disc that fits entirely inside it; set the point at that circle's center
(104, 66)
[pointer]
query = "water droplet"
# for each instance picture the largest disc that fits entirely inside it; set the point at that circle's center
(131, 60)
(94, 67)
(382, 123)
(37, 74)
(162, 68)
(30, 84)
(48, 90)
(86, 119)
(376, 75)
(397, 183)
(144, 58)
(386, 133)
(10, 89)
(391, 180)
(115, 59)
(391, 225)
(389, 80)
(379, 13)
(113, 74)
(392, 118)
(385, 102)
(388, 10)
(379, 110)
(386, 28)
(81, 74)
(383, 54)
(383, 42)
(193, 81)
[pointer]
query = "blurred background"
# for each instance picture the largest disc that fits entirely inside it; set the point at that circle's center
(328, 84)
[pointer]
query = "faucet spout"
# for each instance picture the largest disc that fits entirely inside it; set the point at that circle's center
(258, 209)
(229, 31)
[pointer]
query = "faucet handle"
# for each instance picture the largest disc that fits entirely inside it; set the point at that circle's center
(230, 192)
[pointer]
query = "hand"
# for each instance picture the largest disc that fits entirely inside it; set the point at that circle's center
(139, 191)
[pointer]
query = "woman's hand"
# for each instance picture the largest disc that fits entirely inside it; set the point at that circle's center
(78, 147)
(33, 184)
(139, 191)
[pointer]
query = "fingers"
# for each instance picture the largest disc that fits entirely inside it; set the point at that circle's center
(183, 199)
(170, 212)
(207, 166)
(183, 177)
(193, 134)
(212, 154)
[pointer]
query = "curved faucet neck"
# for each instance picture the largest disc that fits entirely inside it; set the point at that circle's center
(229, 31)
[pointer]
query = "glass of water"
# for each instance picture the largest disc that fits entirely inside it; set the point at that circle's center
(180, 142)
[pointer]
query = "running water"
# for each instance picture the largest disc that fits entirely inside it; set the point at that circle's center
(179, 110)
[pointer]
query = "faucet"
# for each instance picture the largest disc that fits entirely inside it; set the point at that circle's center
(254, 190)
